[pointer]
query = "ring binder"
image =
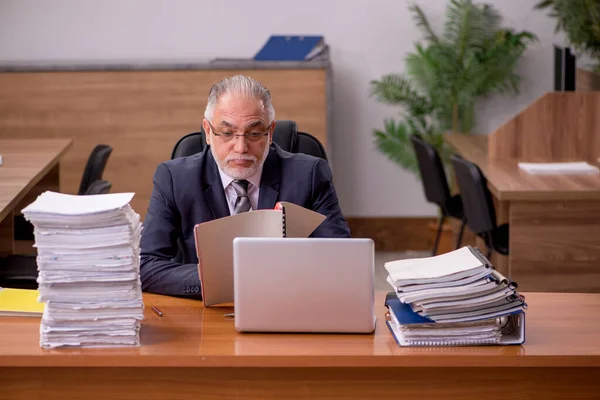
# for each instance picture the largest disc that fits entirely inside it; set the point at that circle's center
(408, 329)
(509, 325)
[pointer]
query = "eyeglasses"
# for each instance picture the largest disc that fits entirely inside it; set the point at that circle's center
(227, 136)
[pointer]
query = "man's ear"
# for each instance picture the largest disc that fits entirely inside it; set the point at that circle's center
(272, 131)
(207, 132)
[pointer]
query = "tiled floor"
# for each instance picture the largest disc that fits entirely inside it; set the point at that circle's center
(382, 257)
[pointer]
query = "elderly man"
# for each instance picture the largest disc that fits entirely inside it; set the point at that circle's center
(240, 170)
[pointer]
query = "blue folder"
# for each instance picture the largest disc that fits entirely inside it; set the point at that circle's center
(404, 312)
(290, 48)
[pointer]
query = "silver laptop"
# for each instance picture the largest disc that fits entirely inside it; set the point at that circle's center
(303, 285)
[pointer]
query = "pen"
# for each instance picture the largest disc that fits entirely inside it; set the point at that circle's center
(157, 311)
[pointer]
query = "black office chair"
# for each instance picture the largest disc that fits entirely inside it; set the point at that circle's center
(286, 136)
(94, 167)
(99, 187)
(18, 272)
(435, 185)
(479, 207)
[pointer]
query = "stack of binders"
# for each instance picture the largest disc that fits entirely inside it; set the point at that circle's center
(454, 299)
(89, 269)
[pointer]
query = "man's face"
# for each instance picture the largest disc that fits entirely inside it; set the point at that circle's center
(238, 156)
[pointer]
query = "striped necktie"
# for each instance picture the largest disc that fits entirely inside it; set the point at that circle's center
(242, 203)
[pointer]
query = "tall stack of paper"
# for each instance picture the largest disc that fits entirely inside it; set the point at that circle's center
(456, 298)
(89, 269)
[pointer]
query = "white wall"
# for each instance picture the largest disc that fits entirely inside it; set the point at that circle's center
(368, 38)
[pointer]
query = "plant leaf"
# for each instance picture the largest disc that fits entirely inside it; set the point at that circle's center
(397, 90)
(394, 142)
(423, 23)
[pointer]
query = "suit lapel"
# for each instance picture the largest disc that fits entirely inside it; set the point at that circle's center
(269, 181)
(214, 193)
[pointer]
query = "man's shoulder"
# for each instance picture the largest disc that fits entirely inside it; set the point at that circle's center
(297, 167)
(295, 159)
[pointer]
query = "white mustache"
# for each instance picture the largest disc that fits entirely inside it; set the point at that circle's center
(244, 157)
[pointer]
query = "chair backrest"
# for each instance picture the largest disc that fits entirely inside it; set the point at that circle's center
(95, 166)
(18, 272)
(99, 187)
(286, 136)
(308, 144)
(477, 200)
(431, 168)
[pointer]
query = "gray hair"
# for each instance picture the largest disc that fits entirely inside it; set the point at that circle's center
(243, 85)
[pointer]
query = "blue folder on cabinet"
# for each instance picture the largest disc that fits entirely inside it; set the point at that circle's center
(291, 48)
(412, 329)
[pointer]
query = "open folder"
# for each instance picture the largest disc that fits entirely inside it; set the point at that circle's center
(214, 243)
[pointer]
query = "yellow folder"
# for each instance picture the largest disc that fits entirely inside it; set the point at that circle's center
(20, 302)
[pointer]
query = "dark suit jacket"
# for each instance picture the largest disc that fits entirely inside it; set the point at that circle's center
(188, 191)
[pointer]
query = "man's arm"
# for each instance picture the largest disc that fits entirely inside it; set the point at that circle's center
(325, 201)
(159, 274)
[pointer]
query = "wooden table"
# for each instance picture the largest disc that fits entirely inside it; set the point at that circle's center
(29, 168)
(554, 221)
(196, 353)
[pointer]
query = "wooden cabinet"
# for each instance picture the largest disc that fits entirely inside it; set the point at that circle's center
(142, 111)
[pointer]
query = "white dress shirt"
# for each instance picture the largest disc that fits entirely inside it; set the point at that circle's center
(231, 194)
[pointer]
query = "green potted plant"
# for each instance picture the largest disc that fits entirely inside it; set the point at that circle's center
(580, 20)
(473, 57)
(446, 74)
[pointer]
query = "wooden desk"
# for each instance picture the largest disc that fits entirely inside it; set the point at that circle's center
(554, 221)
(193, 352)
(29, 168)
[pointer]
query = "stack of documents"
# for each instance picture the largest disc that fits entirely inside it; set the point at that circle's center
(89, 269)
(453, 299)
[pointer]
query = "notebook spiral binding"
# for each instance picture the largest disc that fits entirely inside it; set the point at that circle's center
(501, 279)
(475, 342)
(517, 297)
(495, 274)
(283, 220)
(477, 253)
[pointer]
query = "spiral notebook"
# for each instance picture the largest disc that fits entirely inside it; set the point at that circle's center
(214, 243)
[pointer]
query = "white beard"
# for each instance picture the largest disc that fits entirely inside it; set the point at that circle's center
(241, 173)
